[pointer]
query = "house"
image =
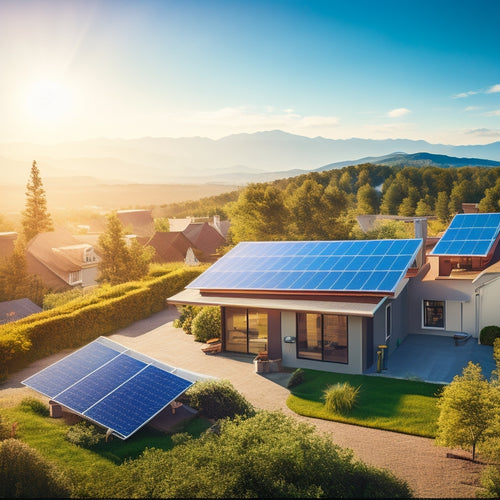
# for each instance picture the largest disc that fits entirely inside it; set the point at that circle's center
(170, 246)
(332, 305)
(205, 237)
(313, 304)
(12, 310)
(62, 261)
(138, 222)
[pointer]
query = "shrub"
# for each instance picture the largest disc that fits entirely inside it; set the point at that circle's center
(341, 397)
(207, 324)
(218, 399)
(84, 434)
(36, 406)
(186, 317)
(25, 473)
(296, 378)
(4, 430)
(488, 334)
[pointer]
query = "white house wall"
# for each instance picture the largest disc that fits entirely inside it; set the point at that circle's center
(488, 304)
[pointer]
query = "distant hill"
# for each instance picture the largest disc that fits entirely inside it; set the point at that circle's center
(236, 159)
(415, 160)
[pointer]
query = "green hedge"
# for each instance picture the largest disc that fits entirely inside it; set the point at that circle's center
(488, 334)
(83, 320)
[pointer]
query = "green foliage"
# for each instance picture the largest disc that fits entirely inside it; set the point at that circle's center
(296, 378)
(367, 200)
(4, 429)
(490, 481)
(162, 225)
(52, 300)
(468, 408)
(186, 317)
(265, 456)
(121, 262)
(206, 324)
(218, 399)
(25, 473)
(488, 334)
(84, 434)
(83, 320)
(35, 405)
(341, 398)
(36, 218)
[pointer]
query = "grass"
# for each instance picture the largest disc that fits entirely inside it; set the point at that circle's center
(85, 466)
(405, 406)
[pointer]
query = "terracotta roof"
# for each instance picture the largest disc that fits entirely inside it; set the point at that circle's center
(205, 237)
(169, 247)
(13, 310)
(139, 221)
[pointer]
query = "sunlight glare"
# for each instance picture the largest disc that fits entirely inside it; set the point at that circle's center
(48, 101)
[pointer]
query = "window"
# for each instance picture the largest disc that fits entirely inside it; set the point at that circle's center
(322, 337)
(388, 322)
(246, 330)
(433, 314)
(75, 277)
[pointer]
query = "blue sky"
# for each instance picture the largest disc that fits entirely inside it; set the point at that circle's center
(75, 70)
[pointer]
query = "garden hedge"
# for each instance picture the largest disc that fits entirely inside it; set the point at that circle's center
(488, 334)
(83, 320)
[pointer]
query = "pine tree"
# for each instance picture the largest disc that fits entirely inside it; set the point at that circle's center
(36, 218)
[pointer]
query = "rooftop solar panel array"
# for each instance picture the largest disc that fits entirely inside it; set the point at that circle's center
(343, 266)
(111, 385)
(469, 235)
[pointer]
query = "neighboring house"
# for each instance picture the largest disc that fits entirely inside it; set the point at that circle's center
(169, 247)
(206, 238)
(13, 310)
(331, 305)
(61, 261)
(138, 222)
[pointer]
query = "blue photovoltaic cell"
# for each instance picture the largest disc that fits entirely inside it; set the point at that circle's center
(138, 400)
(57, 377)
(312, 265)
(111, 385)
(469, 235)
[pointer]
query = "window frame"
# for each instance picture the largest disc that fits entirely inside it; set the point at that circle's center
(426, 307)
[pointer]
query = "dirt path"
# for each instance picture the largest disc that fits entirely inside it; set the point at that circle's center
(425, 467)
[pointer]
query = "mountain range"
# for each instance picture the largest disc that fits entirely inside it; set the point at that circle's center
(236, 159)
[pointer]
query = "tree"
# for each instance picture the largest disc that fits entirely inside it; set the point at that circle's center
(424, 207)
(409, 204)
(259, 214)
(392, 197)
(368, 200)
(162, 225)
(36, 218)
(121, 262)
(269, 455)
(467, 410)
(442, 209)
(491, 200)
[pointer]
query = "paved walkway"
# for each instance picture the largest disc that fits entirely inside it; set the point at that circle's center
(417, 460)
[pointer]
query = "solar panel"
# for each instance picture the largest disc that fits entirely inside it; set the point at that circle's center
(115, 387)
(469, 235)
(349, 266)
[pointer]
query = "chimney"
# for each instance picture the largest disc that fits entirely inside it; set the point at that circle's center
(420, 228)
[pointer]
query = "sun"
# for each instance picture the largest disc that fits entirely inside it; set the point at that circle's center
(48, 101)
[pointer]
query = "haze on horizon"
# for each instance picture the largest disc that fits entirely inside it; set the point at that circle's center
(81, 69)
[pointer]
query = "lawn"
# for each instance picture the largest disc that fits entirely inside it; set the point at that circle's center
(391, 404)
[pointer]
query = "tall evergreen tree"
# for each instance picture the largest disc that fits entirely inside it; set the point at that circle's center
(36, 219)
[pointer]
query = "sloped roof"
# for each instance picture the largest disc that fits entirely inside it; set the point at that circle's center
(13, 310)
(205, 237)
(141, 221)
(169, 246)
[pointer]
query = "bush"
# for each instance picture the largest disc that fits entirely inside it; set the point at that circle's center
(218, 399)
(25, 473)
(84, 434)
(186, 317)
(488, 334)
(207, 324)
(296, 379)
(36, 406)
(4, 430)
(341, 397)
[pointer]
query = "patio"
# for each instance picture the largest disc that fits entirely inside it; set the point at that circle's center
(432, 358)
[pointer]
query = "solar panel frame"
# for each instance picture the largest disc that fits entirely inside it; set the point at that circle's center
(96, 385)
(262, 265)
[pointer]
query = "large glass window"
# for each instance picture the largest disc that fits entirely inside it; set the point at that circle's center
(322, 337)
(246, 330)
(433, 314)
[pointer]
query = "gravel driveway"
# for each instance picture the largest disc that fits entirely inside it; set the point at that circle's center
(425, 467)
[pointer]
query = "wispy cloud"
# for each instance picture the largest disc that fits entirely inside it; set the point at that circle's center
(493, 89)
(496, 112)
(472, 108)
(465, 94)
(398, 112)
(484, 132)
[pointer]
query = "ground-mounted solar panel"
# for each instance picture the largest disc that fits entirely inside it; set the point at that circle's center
(115, 387)
(337, 266)
(469, 235)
